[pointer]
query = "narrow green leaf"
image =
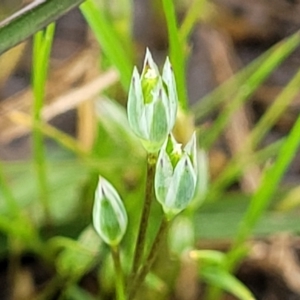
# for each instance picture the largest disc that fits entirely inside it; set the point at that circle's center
(109, 40)
(263, 196)
(276, 109)
(176, 52)
(40, 62)
(31, 19)
(224, 280)
(265, 63)
(211, 257)
(248, 87)
(265, 123)
(193, 14)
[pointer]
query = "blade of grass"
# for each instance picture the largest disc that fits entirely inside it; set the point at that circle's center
(226, 281)
(237, 166)
(41, 52)
(247, 89)
(192, 15)
(108, 40)
(263, 196)
(177, 57)
(259, 202)
(272, 115)
(22, 25)
(279, 105)
(208, 103)
(69, 143)
(48, 130)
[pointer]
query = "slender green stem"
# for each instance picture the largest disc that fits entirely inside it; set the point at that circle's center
(41, 52)
(150, 259)
(141, 239)
(120, 290)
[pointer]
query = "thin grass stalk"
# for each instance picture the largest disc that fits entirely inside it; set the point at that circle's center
(41, 52)
(65, 141)
(192, 15)
(141, 238)
(257, 134)
(280, 104)
(109, 40)
(31, 19)
(177, 56)
(266, 190)
(237, 166)
(248, 88)
(260, 201)
(280, 51)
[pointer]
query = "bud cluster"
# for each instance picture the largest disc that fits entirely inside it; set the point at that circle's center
(152, 109)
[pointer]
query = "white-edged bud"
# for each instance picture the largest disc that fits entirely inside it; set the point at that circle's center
(109, 215)
(152, 103)
(176, 175)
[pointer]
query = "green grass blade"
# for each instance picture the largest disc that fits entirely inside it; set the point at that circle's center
(247, 89)
(238, 165)
(190, 19)
(108, 40)
(263, 196)
(226, 281)
(177, 57)
(41, 52)
(240, 81)
(31, 19)
(279, 105)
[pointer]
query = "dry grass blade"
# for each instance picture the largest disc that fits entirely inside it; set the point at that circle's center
(61, 95)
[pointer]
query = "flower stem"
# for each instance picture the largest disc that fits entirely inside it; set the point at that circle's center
(120, 291)
(141, 239)
(139, 279)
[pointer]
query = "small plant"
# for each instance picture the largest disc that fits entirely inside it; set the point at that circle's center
(171, 172)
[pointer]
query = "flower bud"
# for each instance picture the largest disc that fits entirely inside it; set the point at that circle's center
(176, 175)
(109, 215)
(152, 103)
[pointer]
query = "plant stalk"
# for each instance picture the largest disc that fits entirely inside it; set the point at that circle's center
(120, 290)
(150, 259)
(141, 239)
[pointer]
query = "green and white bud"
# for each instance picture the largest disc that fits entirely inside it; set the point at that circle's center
(109, 215)
(176, 175)
(152, 103)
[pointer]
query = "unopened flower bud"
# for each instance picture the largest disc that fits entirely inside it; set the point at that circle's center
(109, 215)
(152, 103)
(176, 175)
